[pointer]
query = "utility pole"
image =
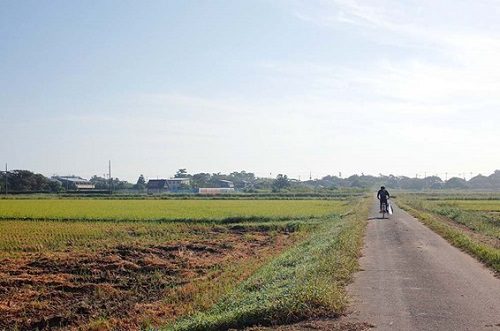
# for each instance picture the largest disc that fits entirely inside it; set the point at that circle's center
(110, 178)
(310, 175)
(6, 178)
(445, 176)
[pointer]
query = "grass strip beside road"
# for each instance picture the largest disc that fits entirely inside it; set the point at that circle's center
(306, 281)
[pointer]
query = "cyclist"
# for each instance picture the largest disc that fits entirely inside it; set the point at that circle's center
(383, 195)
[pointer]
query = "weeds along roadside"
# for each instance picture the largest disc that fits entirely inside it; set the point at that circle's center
(431, 215)
(308, 280)
(205, 292)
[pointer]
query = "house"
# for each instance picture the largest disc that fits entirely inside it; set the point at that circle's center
(74, 183)
(157, 186)
(167, 185)
(225, 183)
(175, 184)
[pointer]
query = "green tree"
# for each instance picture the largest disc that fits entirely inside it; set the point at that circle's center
(281, 182)
(100, 183)
(200, 180)
(55, 186)
(27, 181)
(480, 182)
(495, 179)
(243, 179)
(181, 173)
(141, 183)
(455, 183)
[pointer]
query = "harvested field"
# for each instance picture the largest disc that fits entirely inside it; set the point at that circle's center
(125, 286)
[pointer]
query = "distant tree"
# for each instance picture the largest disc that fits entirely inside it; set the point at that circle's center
(408, 183)
(455, 183)
(281, 182)
(121, 184)
(242, 179)
(55, 186)
(181, 173)
(100, 183)
(216, 178)
(436, 186)
(330, 182)
(356, 183)
(480, 182)
(390, 181)
(495, 179)
(141, 183)
(263, 184)
(200, 180)
(27, 181)
(433, 182)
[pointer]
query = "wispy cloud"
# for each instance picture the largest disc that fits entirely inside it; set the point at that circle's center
(459, 71)
(312, 84)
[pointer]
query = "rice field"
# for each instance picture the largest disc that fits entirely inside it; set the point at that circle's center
(51, 236)
(94, 264)
(93, 209)
(477, 205)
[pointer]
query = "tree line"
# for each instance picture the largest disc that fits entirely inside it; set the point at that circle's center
(27, 181)
(491, 182)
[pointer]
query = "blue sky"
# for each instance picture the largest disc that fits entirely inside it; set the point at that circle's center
(400, 87)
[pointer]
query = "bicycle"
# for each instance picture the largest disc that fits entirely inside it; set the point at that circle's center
(385, 209)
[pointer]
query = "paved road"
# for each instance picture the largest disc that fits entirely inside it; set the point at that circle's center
(412, 279)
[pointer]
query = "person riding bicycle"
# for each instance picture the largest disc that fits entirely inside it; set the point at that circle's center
(383, 195)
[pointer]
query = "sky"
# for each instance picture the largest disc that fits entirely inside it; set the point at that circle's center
(268, 86)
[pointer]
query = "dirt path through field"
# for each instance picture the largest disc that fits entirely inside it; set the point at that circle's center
(412, 279)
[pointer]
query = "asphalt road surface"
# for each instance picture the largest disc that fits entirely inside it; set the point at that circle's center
(412, 279)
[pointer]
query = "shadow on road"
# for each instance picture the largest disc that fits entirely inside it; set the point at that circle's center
(377, 218)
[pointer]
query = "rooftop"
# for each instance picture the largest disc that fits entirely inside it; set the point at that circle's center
(71, 178)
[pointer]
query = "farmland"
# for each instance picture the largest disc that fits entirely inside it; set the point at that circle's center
(478, 205)
(178, 264)
(470, 222)
(94, 209)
